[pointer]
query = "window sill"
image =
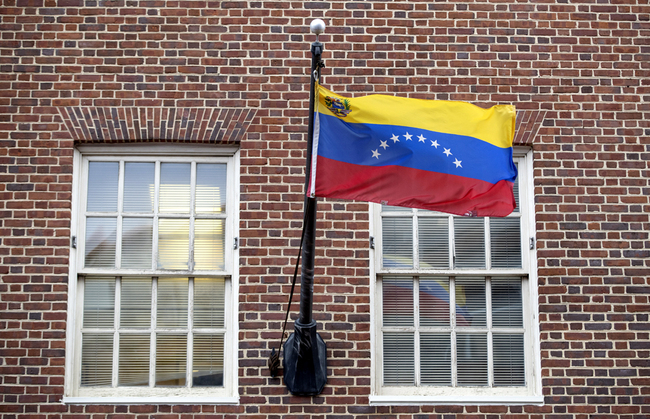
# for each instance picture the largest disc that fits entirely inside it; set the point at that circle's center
(456, 400)
(151, 400)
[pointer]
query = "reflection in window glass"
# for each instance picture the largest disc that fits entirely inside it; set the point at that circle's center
(209, 237)
(101, 236)
(174, 188)
(173, 244)
(171, 359)
(434, 242)
(397, 301)
(505, 242)
(134, 360)
(209, 302)
(470, 302)
(434, 302)
(139, 187)
(102, 186)
(137, 237)
(96, 359)
(435, 359)
(399, 367)
(397, 236)
(470, 242)
(135, 307)
(507, 305)
(210, 188)
(509, 366)
(99, 302)
(172, 302)
(208, 360)
(472, 359)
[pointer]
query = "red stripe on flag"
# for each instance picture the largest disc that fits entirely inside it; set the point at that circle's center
(406, 187)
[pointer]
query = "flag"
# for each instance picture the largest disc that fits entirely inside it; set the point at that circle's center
(446, 156)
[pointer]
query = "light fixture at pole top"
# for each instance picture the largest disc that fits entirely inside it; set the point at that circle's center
(317, 27)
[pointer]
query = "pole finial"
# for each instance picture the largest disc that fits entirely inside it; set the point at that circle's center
(317, 27)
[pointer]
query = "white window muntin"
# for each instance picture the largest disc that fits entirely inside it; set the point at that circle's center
(148, 152)
(409, 395)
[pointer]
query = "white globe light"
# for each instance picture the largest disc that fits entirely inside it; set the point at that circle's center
(317, 26)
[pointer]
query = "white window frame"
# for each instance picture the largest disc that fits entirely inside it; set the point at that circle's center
(74, 393)
(438, 395)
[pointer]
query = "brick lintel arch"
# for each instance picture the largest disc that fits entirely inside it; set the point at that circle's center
(92, 124)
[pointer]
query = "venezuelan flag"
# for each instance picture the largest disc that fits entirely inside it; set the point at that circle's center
(446, 156)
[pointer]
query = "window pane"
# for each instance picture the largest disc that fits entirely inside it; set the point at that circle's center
(171, 360)
(134, 360)
(174, 188)
(469, 242)
(102, 186)
(434, 242)
(397, 301)
(96, 359)
(209, 237)
(101, 235)
(397, 239)
(137, 236)
(208, 360)
(135, 308)
(139, 187)
(99, 302)
(505, 242)
(435, 359)
(472, 359)
(173, 244)
(470, 302)
(399, 356)
(434, 302)
(209, 303)
(172, 302)
(507, 305)
(210, 188)
(509, 367)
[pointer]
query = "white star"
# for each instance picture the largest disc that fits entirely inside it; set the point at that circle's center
(457, 163)
(421, 138)
(395, 138)
(447, 152)
(383, 144)
(434, 144)
(375, 153)
(407, 136)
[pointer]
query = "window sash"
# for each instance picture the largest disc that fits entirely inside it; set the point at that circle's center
(113, 258)
(108, 358)
(402, 341)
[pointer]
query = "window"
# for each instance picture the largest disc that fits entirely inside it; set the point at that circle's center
(455, 318)
(154, 268)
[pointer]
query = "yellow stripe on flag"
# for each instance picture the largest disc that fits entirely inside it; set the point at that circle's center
(495, 125)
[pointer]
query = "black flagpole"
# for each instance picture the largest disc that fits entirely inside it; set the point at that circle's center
(305, 352)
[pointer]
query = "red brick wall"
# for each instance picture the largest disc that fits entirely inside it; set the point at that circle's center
(578, 71)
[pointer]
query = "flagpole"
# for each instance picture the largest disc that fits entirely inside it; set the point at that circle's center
(305, 352)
